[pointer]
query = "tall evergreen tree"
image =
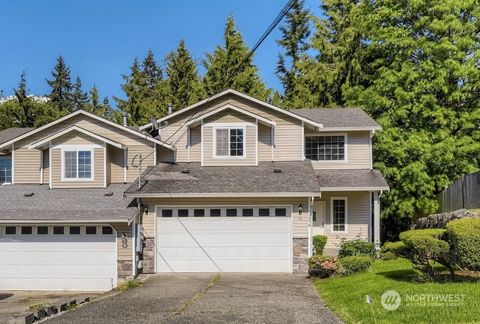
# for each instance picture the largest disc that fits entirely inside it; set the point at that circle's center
(61, 86)
(230, 67)
(153, 72)
(295, 33)
(97, 107)
(184, 86)
(79, 97)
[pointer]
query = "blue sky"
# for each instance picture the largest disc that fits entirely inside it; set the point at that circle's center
(100, 39)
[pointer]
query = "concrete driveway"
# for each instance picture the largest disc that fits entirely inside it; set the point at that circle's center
(210, 298)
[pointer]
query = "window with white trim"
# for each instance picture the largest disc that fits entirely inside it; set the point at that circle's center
(339, 214)
(229, 142)
(5, 169)
(77, 164)
(325, 148)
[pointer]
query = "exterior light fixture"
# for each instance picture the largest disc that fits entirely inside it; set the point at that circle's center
(300, 209)
(145, 210)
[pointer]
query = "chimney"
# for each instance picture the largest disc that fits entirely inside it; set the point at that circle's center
(124, 118)
(170, 108)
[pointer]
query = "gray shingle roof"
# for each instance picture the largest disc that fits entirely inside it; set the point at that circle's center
(351, 179)
(64, 204)
(166, 179)
(338, 117)
(10, 133)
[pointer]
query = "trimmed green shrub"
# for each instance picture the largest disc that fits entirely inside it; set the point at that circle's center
(464, 237)
(354, 264)
(388, 256)
(321, 266)
(356, 248)
(319, 242)
(426, 247)
(396, 249)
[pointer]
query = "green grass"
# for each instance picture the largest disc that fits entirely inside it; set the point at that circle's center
(346, 296)
(129, 284)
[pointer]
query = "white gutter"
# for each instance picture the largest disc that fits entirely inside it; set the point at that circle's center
(223, 194)
(63, 221)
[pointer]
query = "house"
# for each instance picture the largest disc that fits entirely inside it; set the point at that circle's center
(229, 184)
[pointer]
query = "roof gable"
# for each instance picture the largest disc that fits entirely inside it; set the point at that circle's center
(261, 119)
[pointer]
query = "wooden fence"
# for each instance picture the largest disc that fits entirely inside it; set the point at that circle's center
(463, 193)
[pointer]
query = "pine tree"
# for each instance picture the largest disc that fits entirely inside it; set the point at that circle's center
(184, 86)
(295, 33)
(229, 66)
(152, 71)
(94, 106)
(61, 93)
(79, 97)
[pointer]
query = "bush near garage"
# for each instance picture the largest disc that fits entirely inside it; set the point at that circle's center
(319, 242)
(464, 238)
(356, 247)
(353, 264)
(321, 266)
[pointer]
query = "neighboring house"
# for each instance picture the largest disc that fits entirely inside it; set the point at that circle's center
(230, 184)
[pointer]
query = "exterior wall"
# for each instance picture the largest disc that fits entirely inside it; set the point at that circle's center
(358, 217)
(358, 151)
(46, 166)
(288, 130)
(27, 164)
(265, 149)
(124, 254)
(116, 163)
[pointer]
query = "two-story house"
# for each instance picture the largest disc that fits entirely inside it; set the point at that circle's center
(229, 184)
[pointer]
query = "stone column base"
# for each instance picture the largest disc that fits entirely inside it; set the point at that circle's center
(149, 255)
(124, 268)
(300, 255)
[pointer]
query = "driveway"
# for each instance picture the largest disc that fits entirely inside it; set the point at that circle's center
(210, 298)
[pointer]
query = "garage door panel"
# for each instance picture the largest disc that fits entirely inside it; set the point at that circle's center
(225, 244)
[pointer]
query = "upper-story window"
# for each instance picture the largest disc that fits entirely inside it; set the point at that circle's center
(325, 148)
(229, 142)
(77, 164)
(5, 169)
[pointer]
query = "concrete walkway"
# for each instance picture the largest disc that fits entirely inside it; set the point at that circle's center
(209, 298)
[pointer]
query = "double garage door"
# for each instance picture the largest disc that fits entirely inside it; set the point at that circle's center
(57, 258)
(224, 239)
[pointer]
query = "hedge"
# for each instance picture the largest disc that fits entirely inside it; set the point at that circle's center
(356, 248)
(354, 264)
(464, 237)
(319, 242)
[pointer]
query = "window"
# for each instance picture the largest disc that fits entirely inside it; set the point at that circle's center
(91, 230)
(183, 213)
(167, 213)
(280, 212)
(339, 214)
(247, 212)
(42, 230)
(74, 230)
(58, 230)
(26, 230)
(199, 212)
(77, 164)
(231, 212)
(325, 148)
(215, 212)
(10, 230)
(264, 212)
(5, 169)
(229, 142)
(107, 230)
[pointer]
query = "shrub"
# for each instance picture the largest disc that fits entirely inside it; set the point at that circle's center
(321, 266)
(388, 256)
(356, 248)
(396, 249)
(319, 242)
(464, 237)
(354, 264)
(426, 247)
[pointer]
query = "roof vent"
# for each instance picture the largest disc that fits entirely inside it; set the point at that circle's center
(28, 194)
(277, 170)
(185, 171)
(108, 194)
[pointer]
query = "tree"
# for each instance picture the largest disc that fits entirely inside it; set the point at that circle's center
(229, 66)
(98, 108)
(184, 86)
(61, 93)
(295, 33)
(425, 92)
(79, 97)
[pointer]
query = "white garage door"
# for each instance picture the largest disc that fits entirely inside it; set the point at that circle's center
(224, 239)
(57, 258)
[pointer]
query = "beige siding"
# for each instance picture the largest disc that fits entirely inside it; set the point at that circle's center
(27, 165)
(358, 206)
(288, 131)
(124, 254)
(108, 165)
(46, 166)
(264, 143)
(165, 155)
(196, 143)
(116, 158)
(133, 158)
(358, 152)
(98, 174)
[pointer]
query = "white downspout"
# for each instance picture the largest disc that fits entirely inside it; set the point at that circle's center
(310, 224)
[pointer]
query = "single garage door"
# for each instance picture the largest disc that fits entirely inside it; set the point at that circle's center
(57, 258)
(224, 239)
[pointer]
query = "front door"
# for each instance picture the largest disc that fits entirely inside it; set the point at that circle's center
(319, 214)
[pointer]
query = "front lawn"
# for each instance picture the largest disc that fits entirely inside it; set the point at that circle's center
(346, 296)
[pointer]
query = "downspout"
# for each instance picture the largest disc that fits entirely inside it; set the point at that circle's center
(310, 224)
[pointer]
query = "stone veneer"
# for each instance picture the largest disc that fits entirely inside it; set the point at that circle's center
(300, 254)
(124, 268)
(149, 255)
